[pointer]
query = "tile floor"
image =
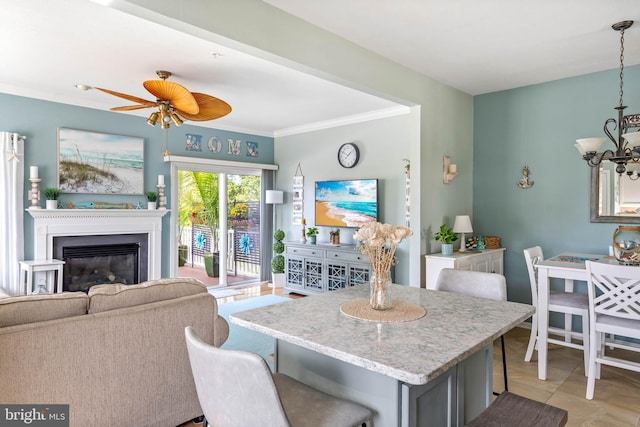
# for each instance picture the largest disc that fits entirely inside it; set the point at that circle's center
(617, 394)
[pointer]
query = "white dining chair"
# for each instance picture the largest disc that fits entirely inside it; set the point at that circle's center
(614, 308)
(476, 284)
(569, 303)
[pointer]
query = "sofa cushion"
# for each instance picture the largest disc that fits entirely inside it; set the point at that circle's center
(39, 308)
(112, 297)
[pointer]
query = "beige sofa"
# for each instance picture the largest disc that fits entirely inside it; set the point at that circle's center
(117, 356)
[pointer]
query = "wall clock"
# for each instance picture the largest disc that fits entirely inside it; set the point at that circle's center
(348, 155)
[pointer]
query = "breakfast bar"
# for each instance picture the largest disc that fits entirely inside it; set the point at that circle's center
(436, 370)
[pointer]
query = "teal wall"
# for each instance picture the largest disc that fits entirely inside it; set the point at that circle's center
(39, 121)
(537, 126)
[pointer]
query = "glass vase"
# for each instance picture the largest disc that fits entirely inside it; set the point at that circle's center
(626, 244)
(379, 291)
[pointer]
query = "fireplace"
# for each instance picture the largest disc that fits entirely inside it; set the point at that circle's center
(102, 228)
(101, 259)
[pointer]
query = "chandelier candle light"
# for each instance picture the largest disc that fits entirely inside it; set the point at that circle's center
(627, 145)
(378, 242)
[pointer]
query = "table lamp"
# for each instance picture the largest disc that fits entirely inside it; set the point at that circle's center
(462, 225)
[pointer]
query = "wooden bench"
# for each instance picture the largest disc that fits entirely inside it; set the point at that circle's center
(510, 410)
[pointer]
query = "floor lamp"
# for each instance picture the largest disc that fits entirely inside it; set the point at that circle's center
(274, 197)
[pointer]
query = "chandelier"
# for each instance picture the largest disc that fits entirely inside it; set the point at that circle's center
(627, 145)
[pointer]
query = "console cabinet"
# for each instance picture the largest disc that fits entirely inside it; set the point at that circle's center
(488, 261)
(312, 269)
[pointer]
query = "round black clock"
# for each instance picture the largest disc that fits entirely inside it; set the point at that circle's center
(348, 155)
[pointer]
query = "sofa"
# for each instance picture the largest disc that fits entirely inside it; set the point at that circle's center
(116, 355)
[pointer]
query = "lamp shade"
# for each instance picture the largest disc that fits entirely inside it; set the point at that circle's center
(273, 197)
(462, 224)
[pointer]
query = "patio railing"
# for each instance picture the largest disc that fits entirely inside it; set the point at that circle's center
(243, 249)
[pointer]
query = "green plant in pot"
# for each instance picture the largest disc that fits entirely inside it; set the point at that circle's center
(447, 237)
(208, 215)
(152, 197)
(52, 194)
(312, 232)
(277, 262)
(183, 250)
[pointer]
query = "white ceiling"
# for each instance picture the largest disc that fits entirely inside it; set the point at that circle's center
(475, 46)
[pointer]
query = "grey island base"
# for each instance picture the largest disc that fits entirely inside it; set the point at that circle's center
(434, 371)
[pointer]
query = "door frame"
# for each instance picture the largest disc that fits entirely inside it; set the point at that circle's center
(223, 167)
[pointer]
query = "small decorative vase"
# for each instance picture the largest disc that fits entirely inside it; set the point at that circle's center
(52, 204)
(379, 291)
(626, 245)
(312, 240)
(151, 205)
(447, 248)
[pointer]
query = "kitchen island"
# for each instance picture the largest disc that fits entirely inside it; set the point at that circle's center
(436, 370)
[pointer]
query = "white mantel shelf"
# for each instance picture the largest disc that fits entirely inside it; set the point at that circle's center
(51, 223)
(96, 213)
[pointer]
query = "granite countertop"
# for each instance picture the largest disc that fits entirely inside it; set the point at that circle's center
(414, 352)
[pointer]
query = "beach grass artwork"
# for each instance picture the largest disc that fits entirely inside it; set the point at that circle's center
(100, 163)
(349, 203)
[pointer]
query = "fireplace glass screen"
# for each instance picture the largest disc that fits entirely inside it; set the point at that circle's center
(98, 260)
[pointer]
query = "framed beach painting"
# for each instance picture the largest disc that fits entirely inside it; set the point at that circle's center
(100, 163)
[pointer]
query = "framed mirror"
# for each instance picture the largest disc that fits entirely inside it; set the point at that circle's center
(614, 198)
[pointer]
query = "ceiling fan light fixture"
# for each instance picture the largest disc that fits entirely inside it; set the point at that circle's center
(174, 102)
(153, 118)
(175, 119)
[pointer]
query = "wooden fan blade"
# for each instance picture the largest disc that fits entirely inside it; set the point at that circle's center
(132, 107)
(128, 97)
(210, 108)
(176, 94)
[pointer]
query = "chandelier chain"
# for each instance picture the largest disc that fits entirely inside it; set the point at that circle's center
(621, 64)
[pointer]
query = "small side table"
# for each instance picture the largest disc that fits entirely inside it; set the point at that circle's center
(51, 266)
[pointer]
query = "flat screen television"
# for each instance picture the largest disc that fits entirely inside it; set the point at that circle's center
(346, 203)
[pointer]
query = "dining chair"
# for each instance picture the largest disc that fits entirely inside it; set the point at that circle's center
(569, 303)
(614, 308)
(237, 389)
(476, 284)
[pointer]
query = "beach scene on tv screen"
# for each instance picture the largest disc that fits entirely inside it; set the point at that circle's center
(346, 203)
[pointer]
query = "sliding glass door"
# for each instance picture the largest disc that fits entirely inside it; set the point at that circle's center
(219, 224)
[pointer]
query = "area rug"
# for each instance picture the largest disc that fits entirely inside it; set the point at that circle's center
(244, 339)
(223, 293)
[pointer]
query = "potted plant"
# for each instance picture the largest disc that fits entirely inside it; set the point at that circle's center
(152, 196)
(312, 232)
(334, 236)
(51, 194)
(277, 262)
(447, 237)
(208, 216)
(183, 250)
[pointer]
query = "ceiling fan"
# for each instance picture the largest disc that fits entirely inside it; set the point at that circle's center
(175, 103)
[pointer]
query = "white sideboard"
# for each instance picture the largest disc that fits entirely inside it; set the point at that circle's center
(489, 261)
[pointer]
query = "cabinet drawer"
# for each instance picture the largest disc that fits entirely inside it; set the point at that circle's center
(305, 252)
(346, 256)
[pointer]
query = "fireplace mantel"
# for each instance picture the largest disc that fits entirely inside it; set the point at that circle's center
(97, 213)
(50, 223)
